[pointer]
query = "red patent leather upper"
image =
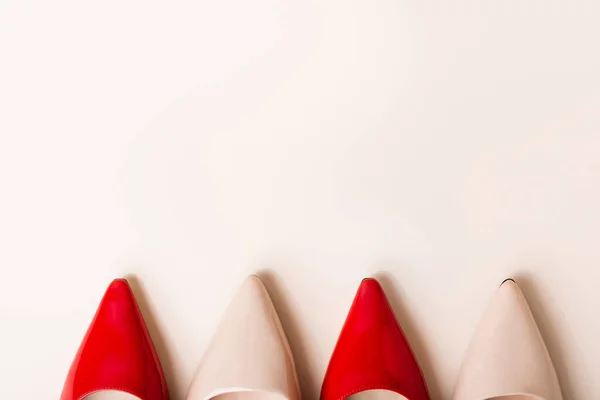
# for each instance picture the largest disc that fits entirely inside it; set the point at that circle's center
(372, 352)
(117, 352)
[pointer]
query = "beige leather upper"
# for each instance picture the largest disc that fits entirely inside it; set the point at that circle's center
(507, 355)
(249, 351)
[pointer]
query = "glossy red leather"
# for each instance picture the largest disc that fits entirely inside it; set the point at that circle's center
(117, 352)
(372, 352)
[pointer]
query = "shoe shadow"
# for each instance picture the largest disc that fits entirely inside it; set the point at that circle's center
(414, 337)
(157, 336)
(550, 332)
(296, 334)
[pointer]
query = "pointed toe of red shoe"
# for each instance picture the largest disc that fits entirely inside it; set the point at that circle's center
(372, 352)
(116, 352)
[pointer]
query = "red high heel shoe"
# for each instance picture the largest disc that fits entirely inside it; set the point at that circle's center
(116, 359)
(372, 358)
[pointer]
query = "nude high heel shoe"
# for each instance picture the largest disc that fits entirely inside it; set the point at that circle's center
(507, 358)
(116, 359)
(249, 356)
(372, 359)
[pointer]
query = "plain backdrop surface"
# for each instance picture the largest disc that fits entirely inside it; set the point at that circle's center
(438, 145)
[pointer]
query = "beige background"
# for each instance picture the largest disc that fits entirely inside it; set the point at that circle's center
(440, 145)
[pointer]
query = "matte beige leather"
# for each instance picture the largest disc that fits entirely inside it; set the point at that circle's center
(507, 357)
(377, 394)
(249, 356)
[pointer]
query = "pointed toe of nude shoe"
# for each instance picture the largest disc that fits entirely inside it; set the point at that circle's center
(249, 351)
(507, 355)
